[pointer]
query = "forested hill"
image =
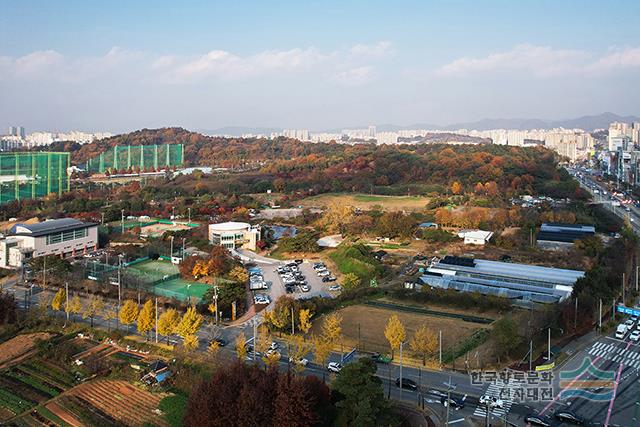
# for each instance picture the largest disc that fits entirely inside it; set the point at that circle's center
(360, 167)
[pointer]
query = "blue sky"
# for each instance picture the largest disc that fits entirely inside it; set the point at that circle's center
(123, 65)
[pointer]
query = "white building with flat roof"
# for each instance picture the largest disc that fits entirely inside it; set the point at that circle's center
(234, 235)
(63, 237)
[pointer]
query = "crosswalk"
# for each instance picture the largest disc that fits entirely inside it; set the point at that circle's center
(614, 352)
(494, 391)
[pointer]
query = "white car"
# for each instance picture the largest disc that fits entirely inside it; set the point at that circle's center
(324, 273)
(635, 336)
(302, 361)
(335, 288)
(493, 402)
(261, 299)
(621, 331)
(334, 367)
(630, 323)
(273, 346)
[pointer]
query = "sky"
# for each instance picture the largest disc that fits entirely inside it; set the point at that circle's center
(124, 65)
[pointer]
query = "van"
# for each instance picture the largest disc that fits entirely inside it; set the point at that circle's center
(621, 331)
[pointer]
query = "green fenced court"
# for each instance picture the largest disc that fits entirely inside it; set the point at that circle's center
(33, 175)
(181, 289)
(137, 157)
(153, 270)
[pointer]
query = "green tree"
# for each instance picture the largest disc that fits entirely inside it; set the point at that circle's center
(505, 333)
(360, 392)
(147, 318)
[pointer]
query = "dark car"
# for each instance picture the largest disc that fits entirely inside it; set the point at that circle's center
(538, 420)
(329, 279)
(568, 417)
(407, 384)
(289, 289)
(455, 402)
(298, 261)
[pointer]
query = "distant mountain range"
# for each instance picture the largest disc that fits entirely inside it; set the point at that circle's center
(588, 123)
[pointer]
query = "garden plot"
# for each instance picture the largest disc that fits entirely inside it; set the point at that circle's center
(18, 348)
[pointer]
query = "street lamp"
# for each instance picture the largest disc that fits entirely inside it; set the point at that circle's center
(450, 387)
(122, 219)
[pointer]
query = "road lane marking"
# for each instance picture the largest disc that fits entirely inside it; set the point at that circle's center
(555, 399)
(615, 389)
(456, 421)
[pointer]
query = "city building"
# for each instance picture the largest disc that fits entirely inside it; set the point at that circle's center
(234, 235)
(17, 131)
(521, 283)
(63, 237)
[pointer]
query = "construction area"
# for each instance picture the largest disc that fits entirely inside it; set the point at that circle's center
(152, 227)
(33, 175)
(137, 158)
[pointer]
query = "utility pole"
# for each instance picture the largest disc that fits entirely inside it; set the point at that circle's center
(156, 320)
(448, 405)
(624, 300)
(613, 311)
(122, 219)
(637, 275)
(600, 316)
(171, 249)
(183, 244)
(189, 215)
(66, 304)
(575, 316)
(102, 220)
(215, 301)
(293, 323)
(440, 344)
(401, 345)
(530, 352)
(549, 346)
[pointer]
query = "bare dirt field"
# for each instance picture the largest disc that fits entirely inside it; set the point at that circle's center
(369, 323)
(367, 201)
(16, 349)
(122, 401)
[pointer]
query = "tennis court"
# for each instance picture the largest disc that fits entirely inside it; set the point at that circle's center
(181, 289)
(153, 270)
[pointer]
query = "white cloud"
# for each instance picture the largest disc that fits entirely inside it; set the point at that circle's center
(355, 76)
(617, 59)
(37, 63)
(538, 60)
(377, 50)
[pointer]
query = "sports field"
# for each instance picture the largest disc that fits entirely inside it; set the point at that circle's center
(367, 201)
(181, 289)
(153, 270)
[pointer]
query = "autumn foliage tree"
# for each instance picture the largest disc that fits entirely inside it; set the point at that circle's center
(245, 395)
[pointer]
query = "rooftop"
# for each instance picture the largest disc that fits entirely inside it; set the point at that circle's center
(48, 227)
(230, 226)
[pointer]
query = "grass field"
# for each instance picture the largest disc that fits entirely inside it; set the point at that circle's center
(367, 201)
(369, 323)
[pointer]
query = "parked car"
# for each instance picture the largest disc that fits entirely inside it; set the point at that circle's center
(407, 383)
(538, 420)
(302, 361)
(381, 358)
(273, 345)
(493, 402)
(335, 288)
(568, 417)
(621, 331)
(261, 299)
(298, 261)
(630, 323)
(329, 279)
(323, 273)
(635, 335)
(334, 367)
(305, 288)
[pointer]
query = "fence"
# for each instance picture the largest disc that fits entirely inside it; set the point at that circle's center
(137, 157)
(33, 175)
